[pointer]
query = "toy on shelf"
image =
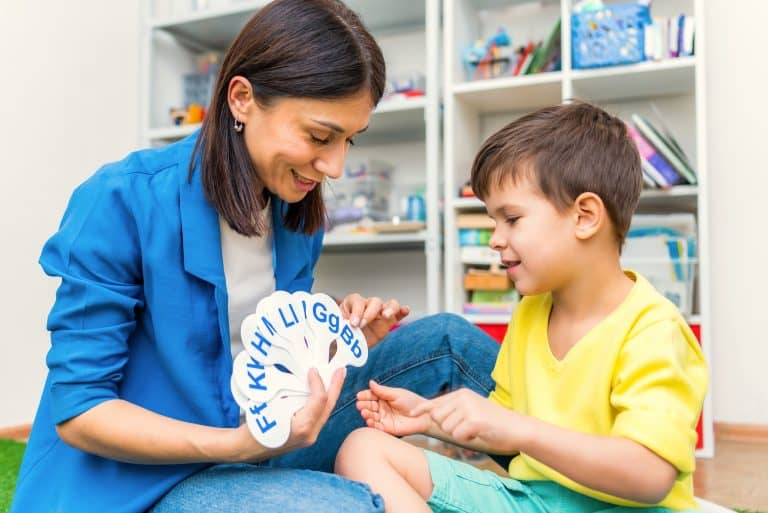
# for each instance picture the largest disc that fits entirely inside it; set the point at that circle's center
(189, 116)
(404, 85)
(197, 90)
(489, 58)
(496, 57)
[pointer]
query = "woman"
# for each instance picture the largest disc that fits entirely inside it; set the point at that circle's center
(161, 256)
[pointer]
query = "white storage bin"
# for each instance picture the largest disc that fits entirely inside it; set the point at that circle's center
(662, 248)
(672, 278)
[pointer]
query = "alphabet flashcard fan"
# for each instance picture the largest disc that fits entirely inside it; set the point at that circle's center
(286, 336)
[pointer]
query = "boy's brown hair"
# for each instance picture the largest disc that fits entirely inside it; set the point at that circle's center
(566, 150)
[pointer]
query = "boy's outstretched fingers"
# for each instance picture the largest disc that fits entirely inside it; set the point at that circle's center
(366, 395)
(383, 392)
(370, 418)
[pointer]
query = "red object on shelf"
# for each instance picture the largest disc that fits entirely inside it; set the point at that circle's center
(700, 426)
(496, 331)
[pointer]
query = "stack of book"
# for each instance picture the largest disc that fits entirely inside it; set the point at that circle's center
(664, 162)
(668, 38)
(488, 289)
(541, 56)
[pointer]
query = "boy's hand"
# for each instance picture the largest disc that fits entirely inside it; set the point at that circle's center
(388, 409)
(470, 419)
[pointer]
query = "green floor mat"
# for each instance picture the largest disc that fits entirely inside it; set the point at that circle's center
(10, 460)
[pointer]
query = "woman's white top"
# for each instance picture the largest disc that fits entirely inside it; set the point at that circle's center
(249, 272)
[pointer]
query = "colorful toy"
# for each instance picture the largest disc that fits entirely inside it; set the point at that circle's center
(489, 58)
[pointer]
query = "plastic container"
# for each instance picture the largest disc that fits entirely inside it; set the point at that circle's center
(611, 36)
(363, 192)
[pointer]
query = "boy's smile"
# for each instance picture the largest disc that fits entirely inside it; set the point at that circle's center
(534, 239)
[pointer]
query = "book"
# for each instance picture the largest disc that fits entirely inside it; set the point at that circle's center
(648, 182)
(674, 37)
(654, 164)
(479, 255)
(664, 148)
(547, 52)
(474, 236)
(656, 179)
(525, 55)
(668, 137)
(686, 36)
(478, 221)
(657, 39)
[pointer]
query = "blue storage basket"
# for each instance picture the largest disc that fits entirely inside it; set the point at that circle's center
(610, 36)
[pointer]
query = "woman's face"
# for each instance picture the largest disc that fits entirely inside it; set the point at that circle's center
(295, 143)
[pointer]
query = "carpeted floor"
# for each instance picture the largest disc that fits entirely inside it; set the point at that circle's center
(10, 459)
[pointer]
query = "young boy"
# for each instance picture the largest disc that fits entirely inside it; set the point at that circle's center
(599, 380)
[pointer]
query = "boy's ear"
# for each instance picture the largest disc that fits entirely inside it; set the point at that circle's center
(590, 215)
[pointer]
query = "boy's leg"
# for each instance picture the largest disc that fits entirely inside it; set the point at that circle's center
(396, 470)
(251, 488)
(459, 487)
(437, 353)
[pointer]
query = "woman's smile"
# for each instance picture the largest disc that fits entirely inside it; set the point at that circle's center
(301, 183)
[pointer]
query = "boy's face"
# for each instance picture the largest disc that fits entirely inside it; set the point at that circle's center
(536, 240)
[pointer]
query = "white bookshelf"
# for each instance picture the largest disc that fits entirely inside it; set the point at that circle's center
(375, 242)
(475, 109)
(404, 132)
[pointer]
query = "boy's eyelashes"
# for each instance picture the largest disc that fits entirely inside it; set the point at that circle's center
(511, 219)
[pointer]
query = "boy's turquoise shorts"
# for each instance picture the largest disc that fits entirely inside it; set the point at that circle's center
(462, 488)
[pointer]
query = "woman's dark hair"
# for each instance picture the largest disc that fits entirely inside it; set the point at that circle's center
(316, 49)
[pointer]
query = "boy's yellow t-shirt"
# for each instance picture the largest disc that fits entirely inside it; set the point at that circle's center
(639, 374)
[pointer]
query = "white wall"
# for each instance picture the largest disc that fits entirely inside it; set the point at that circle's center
(69, 102)
(737, 108)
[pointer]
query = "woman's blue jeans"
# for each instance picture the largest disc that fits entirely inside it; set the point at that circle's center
(434, 354)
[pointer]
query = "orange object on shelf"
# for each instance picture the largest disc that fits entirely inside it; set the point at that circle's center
(486, 280)
(195, 114)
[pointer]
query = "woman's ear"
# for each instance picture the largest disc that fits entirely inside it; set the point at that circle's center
(240, 98)
(590, 215)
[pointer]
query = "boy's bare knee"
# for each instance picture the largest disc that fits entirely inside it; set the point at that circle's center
(359, 446)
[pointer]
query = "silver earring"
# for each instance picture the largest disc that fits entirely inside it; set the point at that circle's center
(238, 126)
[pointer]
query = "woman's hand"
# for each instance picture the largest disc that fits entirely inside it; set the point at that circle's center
(389, 409)
(372, 315)
(305, 424)
(308, 421)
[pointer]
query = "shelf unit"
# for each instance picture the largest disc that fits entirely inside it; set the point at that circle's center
(404, 132)
(475, 109)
